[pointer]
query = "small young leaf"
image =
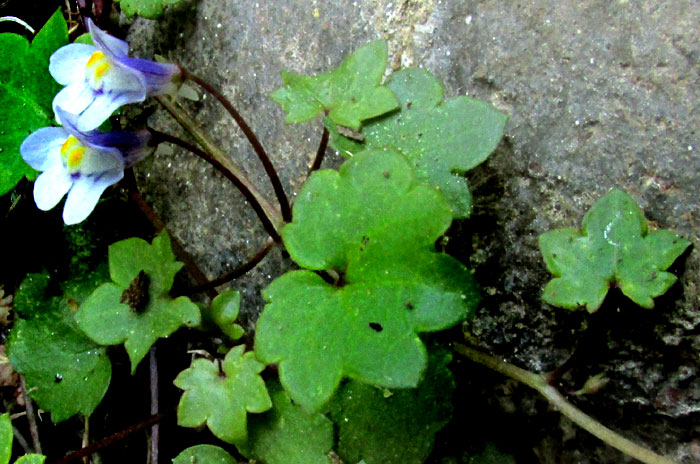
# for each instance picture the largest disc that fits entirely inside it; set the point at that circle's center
(222, 395)
(614, 248)
(151, 9)
(26, 92)
(66, 372)
(350, 93)
(287, 434)
(133, 314)
(442, 139)
(5, 439)
(395, 429)
(224, 311)
(31, 459)
(378, 231)
(204, 454)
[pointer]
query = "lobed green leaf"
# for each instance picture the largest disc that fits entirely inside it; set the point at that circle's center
(66, 372)
(151, 9)
(379, 226)
(350, 94)
(204, 454)
(26, 92)
(287, 434)
(442, 139)
(396, 427)
(614, 248)
(222, 395)
(107, 320)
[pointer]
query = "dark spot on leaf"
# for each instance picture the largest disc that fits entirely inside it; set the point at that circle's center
(58, 378)
(409, 105)
(408, 305)
(420, 134)
(652, 276)
(136, 296)
(353, 99)
(376, 326)
(365, 240)
(386, 174)
(554, 255)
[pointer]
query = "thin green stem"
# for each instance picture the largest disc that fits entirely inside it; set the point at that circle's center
(219, 155)
(252, 138)
(237, 181)
(539, 383)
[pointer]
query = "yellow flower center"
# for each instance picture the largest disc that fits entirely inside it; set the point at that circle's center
(72, 154)
(96, 68)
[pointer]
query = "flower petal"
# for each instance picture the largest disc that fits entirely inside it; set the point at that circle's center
(103, 106)
(67, 64)
(85, 194)
(111, 46)
(42, 148)
(73, 99)
(160, 78)
(50, 187)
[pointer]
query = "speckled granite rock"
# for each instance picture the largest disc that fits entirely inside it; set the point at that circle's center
(601, 95)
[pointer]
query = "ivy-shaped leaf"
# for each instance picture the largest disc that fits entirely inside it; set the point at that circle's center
(223, 394)
(66, 372)
(614, 248)
(6, 437)
(204, 454)
(26, 92)
(375, 226)
(396, 427)
(224, 312)
(442, 139)
(350, 93)
(136, 309)
(287, 434)
(151, 9)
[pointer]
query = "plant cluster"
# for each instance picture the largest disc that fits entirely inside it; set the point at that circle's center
(338, 366)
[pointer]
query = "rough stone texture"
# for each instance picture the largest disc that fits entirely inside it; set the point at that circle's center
(601, 95)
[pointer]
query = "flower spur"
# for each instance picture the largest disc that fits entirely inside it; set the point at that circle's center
(79, 164)
(102, 77)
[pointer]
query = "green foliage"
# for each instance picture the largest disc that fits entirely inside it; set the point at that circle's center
(442, 139)
(26, 92)
(222, 394)
(287, 434)
(614, 248)
(136, 310)
(66, 372)
(395, 427)
(6, 445)
(150, 9)
(204, 454)
(5, 438)
(378, 234)
(350, 93)
(224, 312)
(492, 455)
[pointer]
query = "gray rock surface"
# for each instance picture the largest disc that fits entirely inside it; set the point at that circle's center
(601, 95)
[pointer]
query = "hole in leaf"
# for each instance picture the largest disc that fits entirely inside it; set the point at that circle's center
(376, 326)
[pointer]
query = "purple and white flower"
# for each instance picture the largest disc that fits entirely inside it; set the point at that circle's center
(80, 164)
(102, 77)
